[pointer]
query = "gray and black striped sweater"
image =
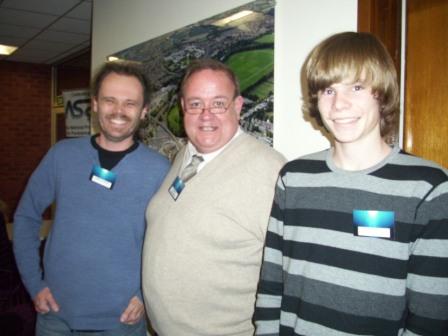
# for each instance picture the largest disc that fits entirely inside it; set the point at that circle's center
(320, 278)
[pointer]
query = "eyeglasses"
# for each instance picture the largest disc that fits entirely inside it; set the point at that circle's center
(197, 107)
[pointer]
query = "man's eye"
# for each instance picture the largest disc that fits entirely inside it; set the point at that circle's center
(219, 103)
(194, 105)
(328, 91)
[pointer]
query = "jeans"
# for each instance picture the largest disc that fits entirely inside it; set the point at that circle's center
(51, 325)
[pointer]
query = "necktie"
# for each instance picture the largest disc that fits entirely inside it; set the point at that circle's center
(191, 169)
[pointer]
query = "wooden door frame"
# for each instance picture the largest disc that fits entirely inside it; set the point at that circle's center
(383, 19)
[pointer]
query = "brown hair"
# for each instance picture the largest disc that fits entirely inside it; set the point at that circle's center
(209, 64)
(125, 68)
(356, 57)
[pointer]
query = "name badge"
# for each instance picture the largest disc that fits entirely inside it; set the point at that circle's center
(103, 177)
(374, 223)
(176, 187)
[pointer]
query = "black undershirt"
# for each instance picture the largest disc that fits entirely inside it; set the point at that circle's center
(109, 159)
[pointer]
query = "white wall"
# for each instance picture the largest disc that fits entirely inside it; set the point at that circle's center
(300, 24)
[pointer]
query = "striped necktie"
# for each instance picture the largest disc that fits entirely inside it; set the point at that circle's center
(191, 169)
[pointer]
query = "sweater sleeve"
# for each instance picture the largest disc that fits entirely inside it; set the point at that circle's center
(427, 282)
(38, 195)
(270, 289)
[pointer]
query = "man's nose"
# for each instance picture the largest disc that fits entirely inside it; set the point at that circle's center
(205, 113)
(341, 101)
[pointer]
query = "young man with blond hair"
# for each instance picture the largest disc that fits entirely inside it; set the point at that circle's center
(357, 242)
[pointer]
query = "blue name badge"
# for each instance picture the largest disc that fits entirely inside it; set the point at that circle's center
(103, 177)
(374, 223)
(176, 187)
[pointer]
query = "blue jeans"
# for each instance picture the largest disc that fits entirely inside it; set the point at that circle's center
(51, 325)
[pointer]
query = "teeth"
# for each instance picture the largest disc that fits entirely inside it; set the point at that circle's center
(345, 120)
(118, 121)
(207, 128)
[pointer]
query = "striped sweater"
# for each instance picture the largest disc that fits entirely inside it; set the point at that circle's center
(320, 278)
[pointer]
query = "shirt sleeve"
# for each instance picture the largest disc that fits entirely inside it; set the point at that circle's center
(427, 282)
(38, 195)
(270, 288)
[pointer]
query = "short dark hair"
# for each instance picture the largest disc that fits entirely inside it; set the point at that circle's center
(357, 57)
(125, 68)
(209, 64)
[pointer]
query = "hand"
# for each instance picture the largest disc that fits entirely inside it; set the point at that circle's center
(44, 302)
(133, 312)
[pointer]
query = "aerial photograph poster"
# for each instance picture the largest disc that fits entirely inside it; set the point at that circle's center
(242, 37)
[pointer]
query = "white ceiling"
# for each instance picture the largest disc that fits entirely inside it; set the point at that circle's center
(46, 31)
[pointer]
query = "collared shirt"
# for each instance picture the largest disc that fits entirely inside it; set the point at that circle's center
(191, 150)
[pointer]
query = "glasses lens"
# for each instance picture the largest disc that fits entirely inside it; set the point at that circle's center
(194, 110)
(199, 108)
(217, 110)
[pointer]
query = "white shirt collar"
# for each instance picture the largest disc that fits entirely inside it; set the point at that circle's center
(191, 150)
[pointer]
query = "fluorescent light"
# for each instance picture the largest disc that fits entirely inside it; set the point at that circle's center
(233, 17)
(7, 50)
(112, 59)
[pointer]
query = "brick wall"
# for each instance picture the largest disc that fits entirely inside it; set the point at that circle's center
(25, 125)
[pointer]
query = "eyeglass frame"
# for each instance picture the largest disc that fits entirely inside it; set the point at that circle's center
(201, 110)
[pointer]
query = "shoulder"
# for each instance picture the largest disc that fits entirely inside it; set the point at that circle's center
(258, 149)
(254, 159)
(70, 142)
(412, 167)
(70, 146)
(310, 163)
(151, 156)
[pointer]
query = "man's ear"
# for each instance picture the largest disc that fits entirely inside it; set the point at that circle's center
(94, 103)
(238, 105)
(182, 104)
(144, 112)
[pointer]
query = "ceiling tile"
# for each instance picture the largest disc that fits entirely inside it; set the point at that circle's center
(83, 11)
(70, 52)
(26, 19)
(12, 41)
(71, 26)
(50, 46)
(55, 7)
(57, 36)
(33, 55)
(17, 31)
(46, 31)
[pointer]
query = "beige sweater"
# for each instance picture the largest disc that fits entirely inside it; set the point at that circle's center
(202, 252)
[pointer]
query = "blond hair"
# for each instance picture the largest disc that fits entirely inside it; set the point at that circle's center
(356, 57)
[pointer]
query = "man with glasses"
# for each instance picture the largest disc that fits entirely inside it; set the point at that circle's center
(206, 226)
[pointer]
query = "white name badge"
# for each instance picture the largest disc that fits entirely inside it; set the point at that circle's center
(176, 187)
(103, 177)
(374, 223)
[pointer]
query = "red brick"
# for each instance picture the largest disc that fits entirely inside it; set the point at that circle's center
(25, 121)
